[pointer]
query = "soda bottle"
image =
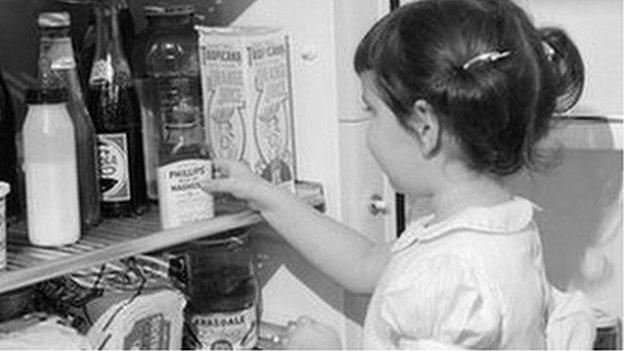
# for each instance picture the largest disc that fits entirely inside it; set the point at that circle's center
(8, 162)
(114, 107)
(87, 51)
(57, 69)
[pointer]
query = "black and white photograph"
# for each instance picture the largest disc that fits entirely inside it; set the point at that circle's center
(311, 174)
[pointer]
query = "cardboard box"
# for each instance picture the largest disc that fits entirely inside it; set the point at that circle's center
(247, 98)
(129, 304)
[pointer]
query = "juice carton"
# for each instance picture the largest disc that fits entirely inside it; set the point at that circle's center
(247, 98)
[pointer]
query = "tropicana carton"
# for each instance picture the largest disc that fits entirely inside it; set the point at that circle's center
(247, 98)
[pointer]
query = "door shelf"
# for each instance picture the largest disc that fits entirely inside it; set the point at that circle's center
(118, 238)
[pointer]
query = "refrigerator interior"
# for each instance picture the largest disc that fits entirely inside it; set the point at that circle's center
(323, 35)
(582, 198)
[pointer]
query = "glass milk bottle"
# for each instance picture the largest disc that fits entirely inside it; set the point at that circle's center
(53, 215)
(57, 68)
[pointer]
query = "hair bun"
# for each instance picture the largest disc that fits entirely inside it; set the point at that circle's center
(567, 67)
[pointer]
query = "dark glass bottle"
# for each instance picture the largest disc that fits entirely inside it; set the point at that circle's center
(87, 51)
(115, 110)
(167, 78)
(224, 292)
(8, 160)
(57, 69)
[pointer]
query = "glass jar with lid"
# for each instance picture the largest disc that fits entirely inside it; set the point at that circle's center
(224, 292)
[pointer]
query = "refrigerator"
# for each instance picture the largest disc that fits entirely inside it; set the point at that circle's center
(582, 200)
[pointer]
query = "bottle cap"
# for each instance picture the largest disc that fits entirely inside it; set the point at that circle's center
(38, 96)
(168, 9)
(53, 19)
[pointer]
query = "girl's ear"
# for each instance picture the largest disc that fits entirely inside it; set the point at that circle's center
(425, 124)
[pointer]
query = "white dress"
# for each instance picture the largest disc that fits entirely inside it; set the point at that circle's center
(476, 280)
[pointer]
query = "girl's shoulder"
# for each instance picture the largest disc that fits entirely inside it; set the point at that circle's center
(443, 267)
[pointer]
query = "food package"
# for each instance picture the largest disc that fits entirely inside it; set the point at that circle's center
(247, 98)
(127, 304)
(40, 331)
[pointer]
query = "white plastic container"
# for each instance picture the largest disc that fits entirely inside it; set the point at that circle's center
(53, 214)
(5, 188)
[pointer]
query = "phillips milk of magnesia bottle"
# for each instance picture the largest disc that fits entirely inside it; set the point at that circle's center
(184, 164)
(165, 53)
(53, 214)
(166, 59)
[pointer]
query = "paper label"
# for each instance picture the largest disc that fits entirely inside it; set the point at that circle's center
(149, 333)
(227, 331)
(114, 172)
(102, 72)
(181, 198)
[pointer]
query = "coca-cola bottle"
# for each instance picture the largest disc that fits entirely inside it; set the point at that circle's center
(115, 110)
(87, 41)
(57, 69)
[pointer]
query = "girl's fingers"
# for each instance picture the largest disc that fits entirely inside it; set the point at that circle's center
(224, 185)
(304, 320)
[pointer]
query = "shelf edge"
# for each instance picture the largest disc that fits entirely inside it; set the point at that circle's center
(152, 242)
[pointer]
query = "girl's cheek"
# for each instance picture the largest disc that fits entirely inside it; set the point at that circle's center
(370, 143)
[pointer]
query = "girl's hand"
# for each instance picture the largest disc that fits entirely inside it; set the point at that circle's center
(307, 334)
(236, 178)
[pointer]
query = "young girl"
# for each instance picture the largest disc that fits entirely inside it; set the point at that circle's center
(459, 92)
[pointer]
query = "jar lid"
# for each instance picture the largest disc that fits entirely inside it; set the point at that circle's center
(37, 96)
(238, 236)
(5, 188)
(168, 9)
(53, 19)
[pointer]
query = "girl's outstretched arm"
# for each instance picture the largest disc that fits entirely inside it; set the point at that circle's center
(346, 256)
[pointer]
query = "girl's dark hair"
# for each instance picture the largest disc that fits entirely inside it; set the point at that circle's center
(497, 110)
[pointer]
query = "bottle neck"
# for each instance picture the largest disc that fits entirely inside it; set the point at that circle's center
(57, 64)
(109, 59)
(56, 57)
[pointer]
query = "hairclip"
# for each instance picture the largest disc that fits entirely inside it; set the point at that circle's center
(549, 50)
(486, 57)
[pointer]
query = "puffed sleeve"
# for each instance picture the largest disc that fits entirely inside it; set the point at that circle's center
(445, 304)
